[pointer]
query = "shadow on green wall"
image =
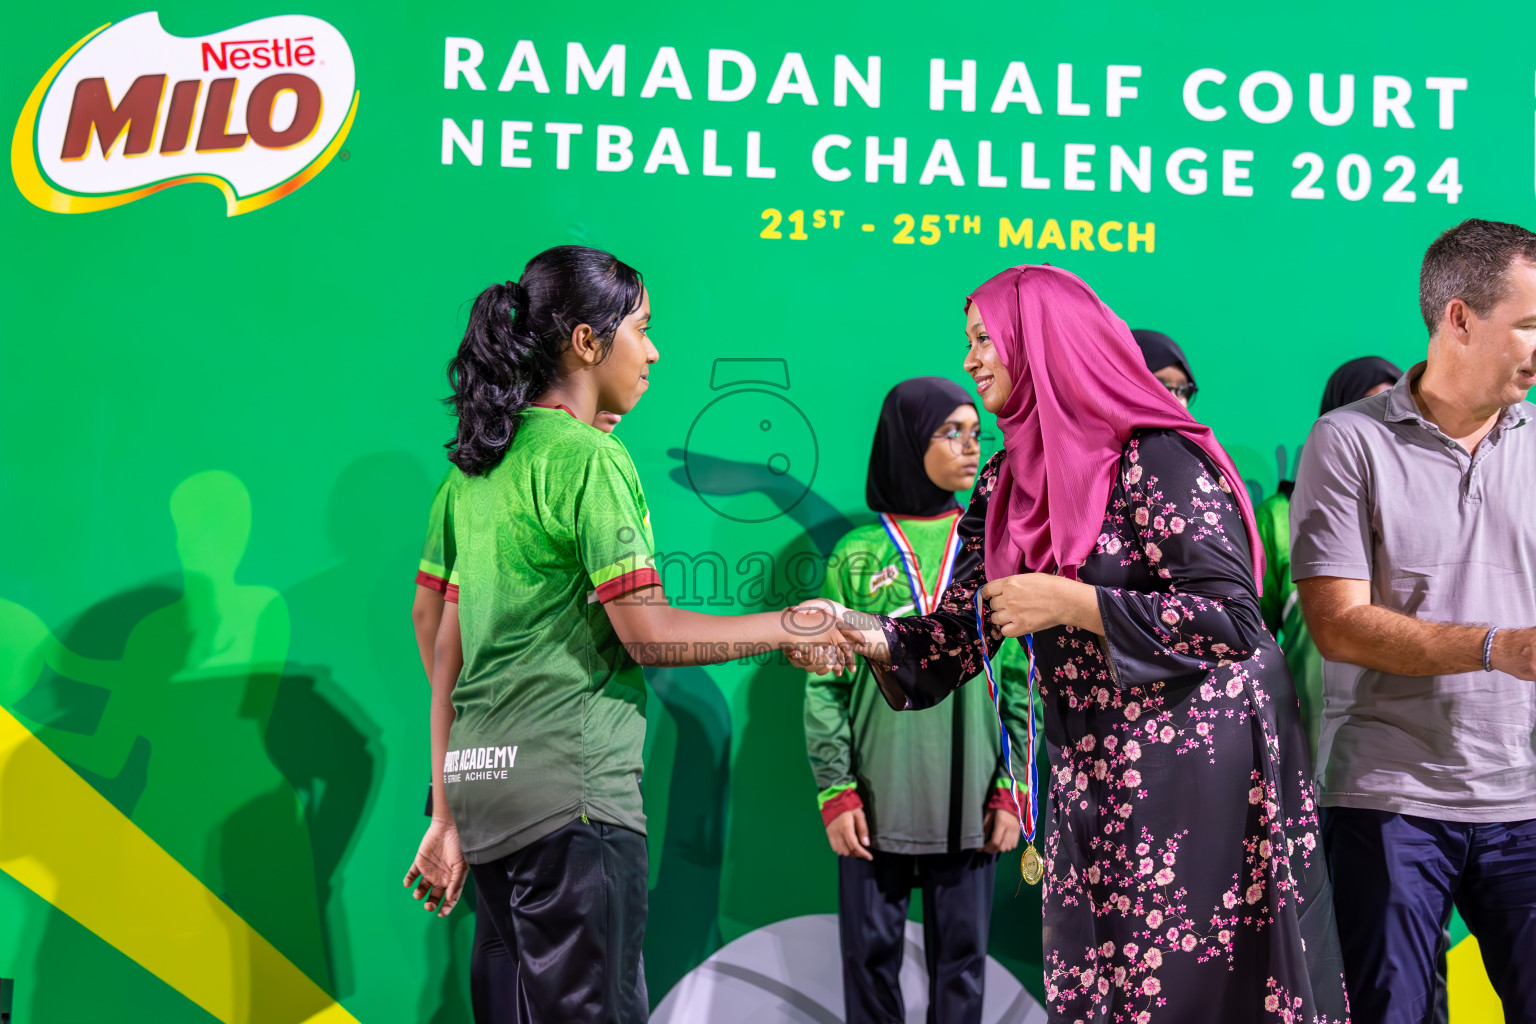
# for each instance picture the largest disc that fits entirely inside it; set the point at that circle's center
(352, 637)
(179, 707)
(683, 926)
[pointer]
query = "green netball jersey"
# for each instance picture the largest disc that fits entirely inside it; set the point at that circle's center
(924, 778)
(550, 708)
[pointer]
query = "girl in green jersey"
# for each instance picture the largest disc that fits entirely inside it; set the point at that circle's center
(553, 605)
(913, 801)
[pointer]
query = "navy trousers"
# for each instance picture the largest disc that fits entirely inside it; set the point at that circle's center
(872, 920)
(1395, 878)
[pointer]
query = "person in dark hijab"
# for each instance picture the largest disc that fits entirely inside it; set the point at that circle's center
(1358, 379)
(1167, 362)
(1355, 380)
(913, 801)
(901, 480)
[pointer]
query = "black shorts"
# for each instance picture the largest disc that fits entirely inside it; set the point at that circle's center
(571, 909)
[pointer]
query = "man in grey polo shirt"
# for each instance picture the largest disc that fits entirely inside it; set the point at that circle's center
(1414, 552)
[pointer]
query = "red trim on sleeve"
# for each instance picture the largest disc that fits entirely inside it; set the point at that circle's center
(452, 593)
(1002, 800)
(426, 579)
(847, 800)
(628, 584)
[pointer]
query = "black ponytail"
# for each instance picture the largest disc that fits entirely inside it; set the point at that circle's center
(516, 335)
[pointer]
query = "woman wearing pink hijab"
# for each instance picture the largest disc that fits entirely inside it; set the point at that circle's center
(1184, 877)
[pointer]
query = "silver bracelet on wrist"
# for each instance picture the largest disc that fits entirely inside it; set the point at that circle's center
(1488, 650)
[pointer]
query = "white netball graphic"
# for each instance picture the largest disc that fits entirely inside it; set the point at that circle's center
(255, 110)
(790, 972)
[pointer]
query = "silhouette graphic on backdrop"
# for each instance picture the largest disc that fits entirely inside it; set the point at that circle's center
(771, 443)
(186, 707)
(353, 665)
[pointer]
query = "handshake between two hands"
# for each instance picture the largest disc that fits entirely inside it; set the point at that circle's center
(836, 637)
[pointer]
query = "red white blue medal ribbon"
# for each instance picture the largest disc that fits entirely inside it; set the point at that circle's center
(1028, 815)
(924, 600)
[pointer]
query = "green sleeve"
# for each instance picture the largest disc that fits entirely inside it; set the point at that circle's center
(828, 728)
(1273, 520)
(613, 526)
(1010, 667)
(437, 553)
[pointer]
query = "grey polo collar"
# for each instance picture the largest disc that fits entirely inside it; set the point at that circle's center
(1401, 408)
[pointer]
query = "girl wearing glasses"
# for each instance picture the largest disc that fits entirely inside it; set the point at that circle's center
(1166, 361)
(912, 800)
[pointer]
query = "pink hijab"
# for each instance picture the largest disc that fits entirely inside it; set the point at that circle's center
(1080, 389)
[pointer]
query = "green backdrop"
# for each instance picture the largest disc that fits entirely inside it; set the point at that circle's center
(292, 358)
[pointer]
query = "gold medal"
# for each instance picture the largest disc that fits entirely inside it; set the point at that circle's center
(1031, 867)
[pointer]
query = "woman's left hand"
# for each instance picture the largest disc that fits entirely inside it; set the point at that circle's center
(1030, 602)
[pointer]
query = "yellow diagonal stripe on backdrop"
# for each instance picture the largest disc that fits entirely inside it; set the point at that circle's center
(65, 842)
(1472, 998)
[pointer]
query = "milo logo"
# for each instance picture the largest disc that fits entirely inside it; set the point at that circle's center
(255, 111)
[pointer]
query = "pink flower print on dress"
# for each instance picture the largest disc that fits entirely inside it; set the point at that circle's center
(1141, 517)
(1176, 525)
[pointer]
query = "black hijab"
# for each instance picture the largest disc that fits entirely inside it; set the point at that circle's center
(1351, 381)
(913, 412)
(1161, 351)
